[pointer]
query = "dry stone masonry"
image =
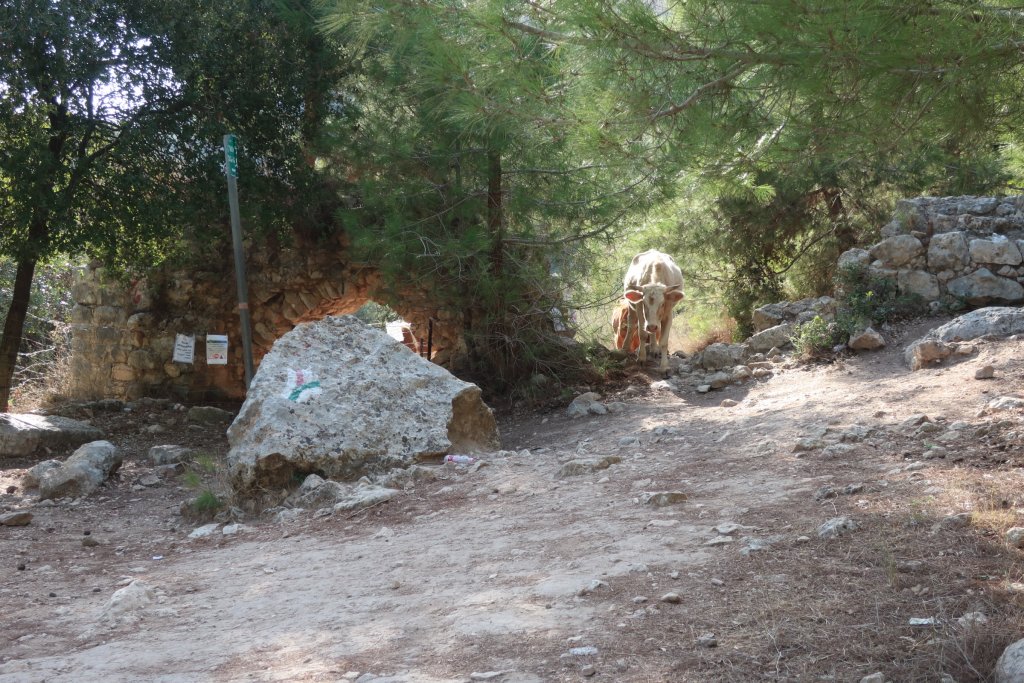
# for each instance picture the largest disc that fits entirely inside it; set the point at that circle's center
(124, 332)
(952, 250)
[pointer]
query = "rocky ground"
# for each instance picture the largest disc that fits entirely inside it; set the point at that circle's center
(841, 520)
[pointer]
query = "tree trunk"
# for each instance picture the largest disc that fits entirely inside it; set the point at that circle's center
(14, 324)
(495, 211)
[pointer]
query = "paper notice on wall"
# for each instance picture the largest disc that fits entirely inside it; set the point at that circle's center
(216, 349)
(184, 348)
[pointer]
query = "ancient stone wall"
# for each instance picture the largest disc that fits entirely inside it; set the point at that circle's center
(123, 334)
(952, 249)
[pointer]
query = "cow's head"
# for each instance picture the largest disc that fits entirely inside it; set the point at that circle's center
(649, 302)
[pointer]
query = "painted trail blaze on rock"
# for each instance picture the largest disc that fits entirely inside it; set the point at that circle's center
(340, 399)
(302, 385)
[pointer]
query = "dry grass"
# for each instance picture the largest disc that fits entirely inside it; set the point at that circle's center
(43, 377)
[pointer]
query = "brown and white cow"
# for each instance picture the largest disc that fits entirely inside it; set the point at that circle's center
(653, 286)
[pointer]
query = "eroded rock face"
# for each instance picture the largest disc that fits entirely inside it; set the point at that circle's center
(341, 399)
(942, 342)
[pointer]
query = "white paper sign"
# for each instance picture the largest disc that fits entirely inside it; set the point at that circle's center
(216, 349)
(184, 348)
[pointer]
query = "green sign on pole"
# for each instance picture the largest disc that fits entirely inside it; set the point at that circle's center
(231, 154)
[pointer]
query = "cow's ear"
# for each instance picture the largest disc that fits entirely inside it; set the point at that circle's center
(674, 295)
(634, 295)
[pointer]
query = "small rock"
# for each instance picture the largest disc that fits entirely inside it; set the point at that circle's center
(89, 542)
(204, 531)
(149, 480)
(588, 671)
(957, 521)
(662, 498)
(1015, 537)
(728, 403)
(985, 372)
(720, 540)
(825, 492)
(19, 518)
(867, 340)
(671, 598)
(878, 677)
(584, 651)
(837, 450)
(591, 587)
(707, 640)
(488, 675)
(835, 527)
(972, 619)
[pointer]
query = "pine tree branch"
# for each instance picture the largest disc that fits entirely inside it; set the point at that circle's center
(698, 92)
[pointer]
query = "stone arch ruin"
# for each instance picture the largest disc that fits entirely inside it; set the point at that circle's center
(123, 335)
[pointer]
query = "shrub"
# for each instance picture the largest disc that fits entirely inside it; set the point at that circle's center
(817, 337)
(866, 298)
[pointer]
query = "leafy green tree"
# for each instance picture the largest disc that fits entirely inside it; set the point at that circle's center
(802, 119)
(111, 119)
(470, 178)
(82, 92)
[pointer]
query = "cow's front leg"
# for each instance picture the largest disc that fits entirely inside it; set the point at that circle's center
(666, 329)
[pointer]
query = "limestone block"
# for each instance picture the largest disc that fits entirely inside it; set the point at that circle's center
(122, 373)
(897, 250)
(996, 321)
(866, 340)
(977, 206)
(81, 314)
(778, 336)
(85, 292)
(719, 355)
(918, 282)
(997, 250)
(142, 359)
(140, 321)
(82, 473)
(854, 258)
(339, 398)
(948, 251)
(982, 287)
(924, 352)
(24, 434)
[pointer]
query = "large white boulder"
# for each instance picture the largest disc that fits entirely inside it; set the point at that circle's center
(341, 399)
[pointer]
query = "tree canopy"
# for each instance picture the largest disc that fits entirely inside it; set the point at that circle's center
(483, 149)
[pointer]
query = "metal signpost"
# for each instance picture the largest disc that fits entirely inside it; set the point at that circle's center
(231, 170)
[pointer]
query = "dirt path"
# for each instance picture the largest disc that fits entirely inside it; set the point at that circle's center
(507, 570)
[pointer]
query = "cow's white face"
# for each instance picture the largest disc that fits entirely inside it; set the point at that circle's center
(649, 302)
